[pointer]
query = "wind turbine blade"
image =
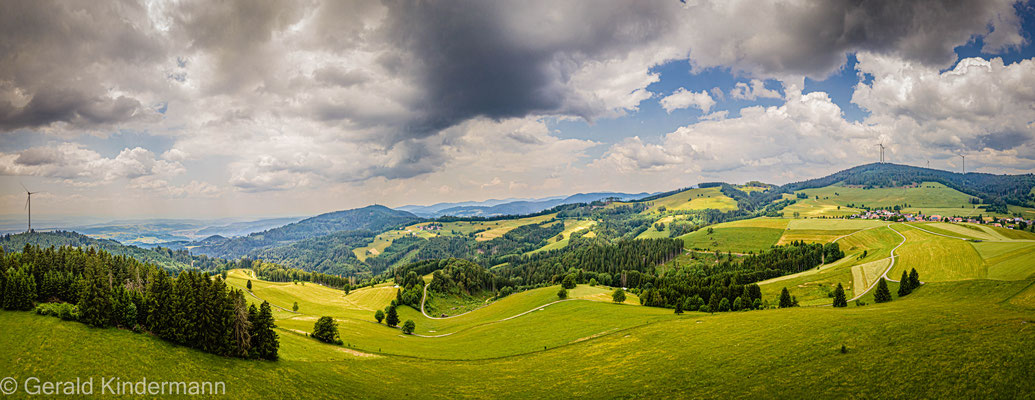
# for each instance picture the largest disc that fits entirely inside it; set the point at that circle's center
(23, 187)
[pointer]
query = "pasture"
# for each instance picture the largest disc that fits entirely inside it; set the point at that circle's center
(923, 343)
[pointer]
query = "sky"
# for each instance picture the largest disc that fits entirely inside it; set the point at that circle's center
(240, 108)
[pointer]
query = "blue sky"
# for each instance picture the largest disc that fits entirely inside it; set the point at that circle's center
(161, 110)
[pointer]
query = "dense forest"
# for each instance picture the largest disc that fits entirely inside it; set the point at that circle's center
(104, 290)
(372, 218)
(172, 260)
(994, 190)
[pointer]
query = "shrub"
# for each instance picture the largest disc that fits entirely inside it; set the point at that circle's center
(326, 330)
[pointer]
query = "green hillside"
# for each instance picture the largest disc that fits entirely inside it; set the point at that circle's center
(172, 260)
(881, 340)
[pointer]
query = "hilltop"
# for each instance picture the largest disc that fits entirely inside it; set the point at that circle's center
(374, 218)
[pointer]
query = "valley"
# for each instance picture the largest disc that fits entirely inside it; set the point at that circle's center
(725, 290)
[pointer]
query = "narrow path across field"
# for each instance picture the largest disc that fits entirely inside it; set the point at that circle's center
(425, 298)
(890, 266)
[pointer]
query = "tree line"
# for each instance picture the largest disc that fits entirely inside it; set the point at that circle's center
(101, 290)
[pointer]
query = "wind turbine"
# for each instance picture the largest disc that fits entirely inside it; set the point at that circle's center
(881, 152)
(964, 163)
(28, 205)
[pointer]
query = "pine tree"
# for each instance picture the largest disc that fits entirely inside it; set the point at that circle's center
(785, 299)
(241, 326)
(392, 316)
(95, 299)
(713, 302)
(249, 285)
(264, 338)
(738, 304)
(3, 282)
(839, 296)
(904, 286)
(882, 294)
(914, 279)
(679, 307)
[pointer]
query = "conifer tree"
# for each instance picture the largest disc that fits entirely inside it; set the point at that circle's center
(914, 279)
(904, 286)
(95, 299)
(264, 339)
(724, 305)
(839, 296)
(738, 304)
(241, 326)
(679, 307)
(392, 316)
(713, 302)
(785, 299)
(882, 294)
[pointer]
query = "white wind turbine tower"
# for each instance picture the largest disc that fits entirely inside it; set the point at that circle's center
(28, 206)
(881, 152)
(964, 163)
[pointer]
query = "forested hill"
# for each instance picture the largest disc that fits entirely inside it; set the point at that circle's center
(371, 218)
(992, 189)
(165, 258)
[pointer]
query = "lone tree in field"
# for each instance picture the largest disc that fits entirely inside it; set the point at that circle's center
(379, 316)
(904, 285)
(785, 299)
(249, 285)
(562, 294)
(679, 307)
(568, 282)
(882, 294)
(392, 316)
(326, 330)
(295, 307)
(839, 296)
(618, 296)
(409, 326)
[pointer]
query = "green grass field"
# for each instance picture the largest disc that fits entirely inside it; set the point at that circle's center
(946, 340)
(735, 239)
(570, 226)
(692, 199)
(927, 194)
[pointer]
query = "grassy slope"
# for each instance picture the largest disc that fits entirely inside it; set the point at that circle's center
(695, 199)
(570, 226)
(947, 340)
(491, 230)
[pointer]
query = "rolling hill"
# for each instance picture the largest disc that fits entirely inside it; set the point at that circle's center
(372, 218)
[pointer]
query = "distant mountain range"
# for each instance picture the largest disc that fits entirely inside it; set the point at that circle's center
(492, 208)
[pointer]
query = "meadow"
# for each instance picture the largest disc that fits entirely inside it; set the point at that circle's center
(893, 350)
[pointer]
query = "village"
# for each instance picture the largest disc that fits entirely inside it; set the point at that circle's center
(896, 216)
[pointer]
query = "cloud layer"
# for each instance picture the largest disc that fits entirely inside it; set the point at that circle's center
(455, 98)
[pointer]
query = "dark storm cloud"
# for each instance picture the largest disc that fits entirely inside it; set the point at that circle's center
(500, 60)
(59, 61)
